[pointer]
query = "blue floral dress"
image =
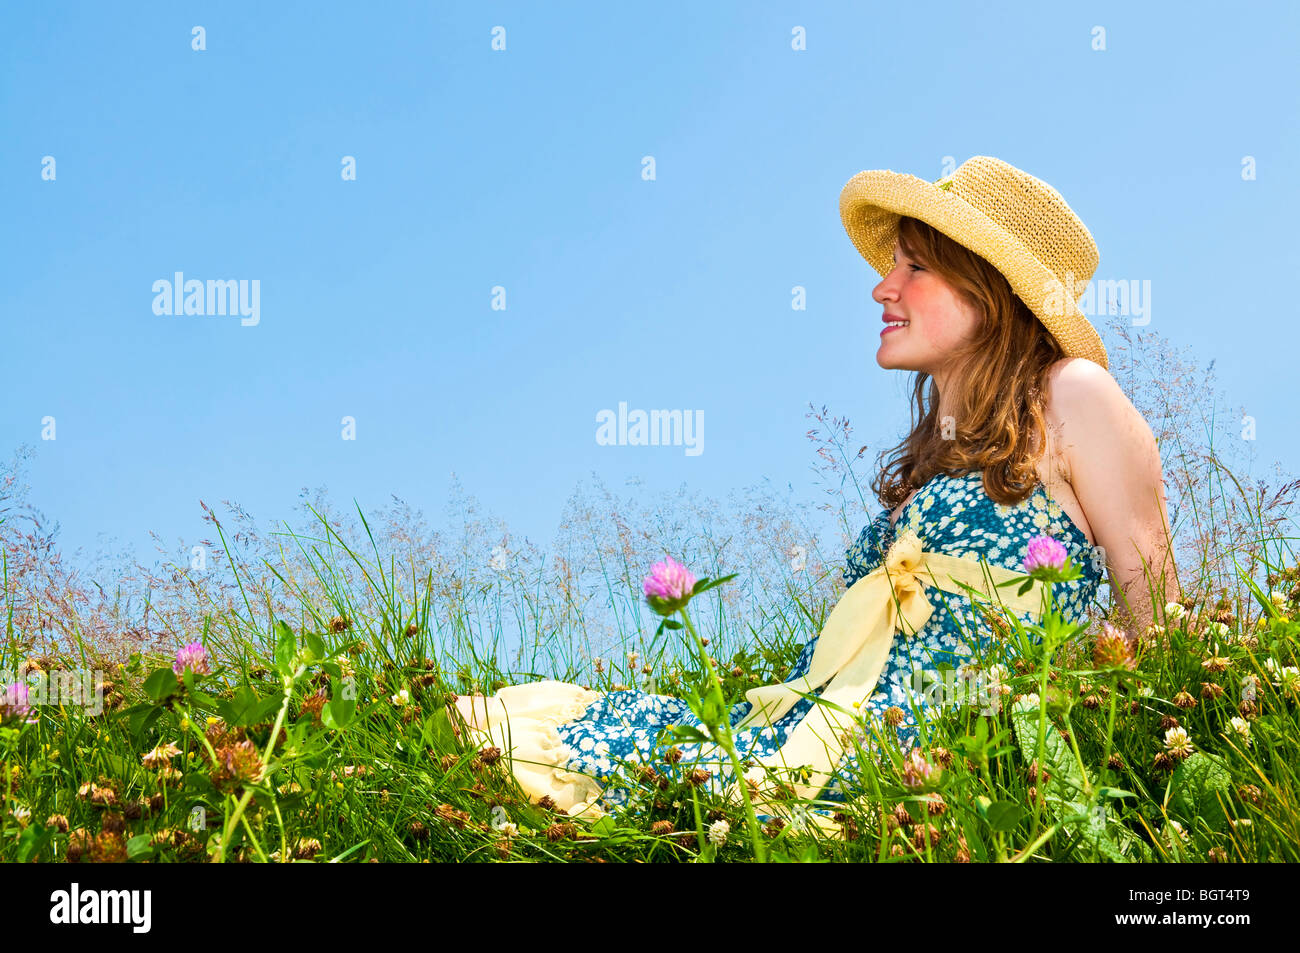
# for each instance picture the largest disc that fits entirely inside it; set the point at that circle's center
(952, 514)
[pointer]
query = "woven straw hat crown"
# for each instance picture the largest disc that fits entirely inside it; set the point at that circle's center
(1018, 223)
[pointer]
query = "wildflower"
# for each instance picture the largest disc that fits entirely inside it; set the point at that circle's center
(1211, 690)
(1044, 553)
(669, 586)
(1113, 649)
(559, 831)
(1175, 611)
(1178, 743)
(718, 832)
(598, 664)
(194, 657)
(236, 765)
(917, 772)
(340, 624)
(1163, 762)
(99, 795)
(894, 716)
(900, 816)
(14, 701)
(403, 697)
(161, 755)
(108, 848)
(963, 851)
(1215, 664)
(1031, 700)
(1115, 762)
(1251, 794)
(698, 776)
(1184, 700)
(1178, 829)
(1241, 727)
(660, 828)
(1277, 598)
(490, 754)
(935, 805)
(306, 848)
(22, 815)
(1289, 679)
(451, 815)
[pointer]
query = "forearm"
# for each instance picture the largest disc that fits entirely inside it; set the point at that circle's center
(1140, 595)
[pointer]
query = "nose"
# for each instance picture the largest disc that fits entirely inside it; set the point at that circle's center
(887, 290)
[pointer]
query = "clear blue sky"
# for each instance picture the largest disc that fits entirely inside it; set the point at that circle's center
(522, 169)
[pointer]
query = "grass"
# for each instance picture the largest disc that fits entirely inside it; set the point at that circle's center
(299, 744)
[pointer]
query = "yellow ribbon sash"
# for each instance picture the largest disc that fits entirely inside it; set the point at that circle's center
(855, 643)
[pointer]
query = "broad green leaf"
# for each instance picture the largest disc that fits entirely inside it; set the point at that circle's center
(160, 684)
(286, 644)
(339, 713)
(1003, 815)
(1193, 790)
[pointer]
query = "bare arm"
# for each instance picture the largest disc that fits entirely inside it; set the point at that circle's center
(1115, 472)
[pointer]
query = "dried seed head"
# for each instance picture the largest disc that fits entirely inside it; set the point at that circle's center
(698, 776)
(660, 828)
(1184, 700)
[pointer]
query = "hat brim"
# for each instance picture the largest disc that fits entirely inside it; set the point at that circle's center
(872, 202)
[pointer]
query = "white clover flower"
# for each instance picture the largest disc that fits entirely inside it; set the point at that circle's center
(1175, 610)
(1289, 679)
(1219, 628)
(403, 697)
(1178, 829)
(1178, 741)
(1146, 691)
(1277, 598)
(718, 832)
(798, 558)
(22, 815)
(1242, 727)
(1031, 700)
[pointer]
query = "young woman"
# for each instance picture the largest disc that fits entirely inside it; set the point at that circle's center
(1020, 432)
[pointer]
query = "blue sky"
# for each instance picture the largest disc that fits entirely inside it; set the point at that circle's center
(522, 169)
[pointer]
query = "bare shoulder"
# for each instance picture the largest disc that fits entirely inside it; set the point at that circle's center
(1108, 451)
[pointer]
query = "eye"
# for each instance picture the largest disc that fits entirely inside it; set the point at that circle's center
(916, 267)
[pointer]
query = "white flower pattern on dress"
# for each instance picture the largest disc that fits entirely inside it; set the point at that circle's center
(623, 726)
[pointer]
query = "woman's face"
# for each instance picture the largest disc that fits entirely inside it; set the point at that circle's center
(938, 318)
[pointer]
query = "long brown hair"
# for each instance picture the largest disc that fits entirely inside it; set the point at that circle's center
(998, 383)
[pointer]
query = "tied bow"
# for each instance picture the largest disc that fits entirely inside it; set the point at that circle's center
(854, 645)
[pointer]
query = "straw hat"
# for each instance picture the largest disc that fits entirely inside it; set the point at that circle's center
(1018, 223)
